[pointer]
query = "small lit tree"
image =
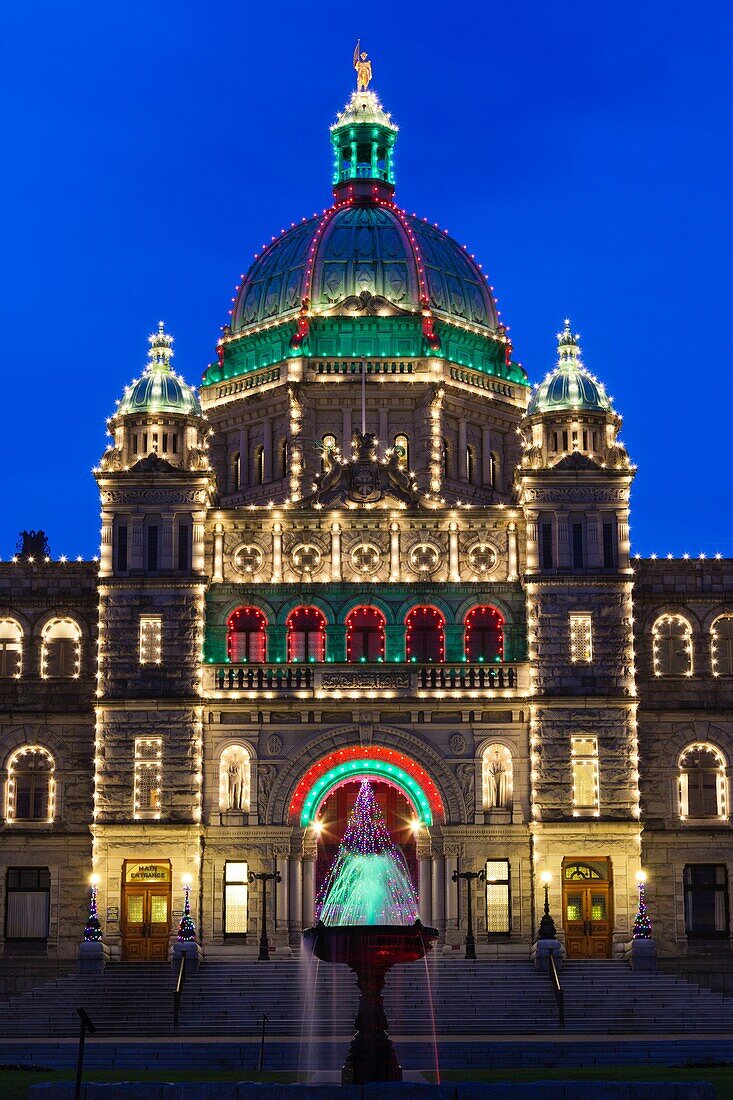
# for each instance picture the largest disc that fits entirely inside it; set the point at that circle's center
(642, 921)
(186, 926)
(92, 928)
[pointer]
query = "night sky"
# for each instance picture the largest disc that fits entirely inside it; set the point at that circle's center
(582, 151)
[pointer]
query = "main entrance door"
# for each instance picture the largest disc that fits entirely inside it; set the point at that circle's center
(587, 904)
(146, 911)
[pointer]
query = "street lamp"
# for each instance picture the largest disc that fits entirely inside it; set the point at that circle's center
(264, 877)
(547, 924)
(470, 877)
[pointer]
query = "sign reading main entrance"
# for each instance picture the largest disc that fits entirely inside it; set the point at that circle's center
(146, 911)
(587, 903)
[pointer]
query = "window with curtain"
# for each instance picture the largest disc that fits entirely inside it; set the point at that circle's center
(236, 891)
(306, 635)
(28, 903)
(498, 898)
(706, 900)
(61, 650)
(246, 638)
(672, 646)
(584, 759)
(702, 782)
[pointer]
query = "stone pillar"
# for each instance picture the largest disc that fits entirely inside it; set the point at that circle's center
(425, 886)
(394, 642)
(106, 558)
(486, 455)
(454, 642)
(281, 895)
(335, 551)
(438, 892)
(533, 551)
(136, 558)
(267, 444)
(562, 549)
(394, 552)
(453, 561)
(451, 898)
(309, 889)
(277, 648)
(335, 642)
(513, 548)
(295, 894)
(462, 444)
(595, 543)
(277, 553)
(243, 457)
(166, 541)
(218, 573)
(198, 558)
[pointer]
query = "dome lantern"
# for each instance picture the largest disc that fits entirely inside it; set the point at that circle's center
(363, 139)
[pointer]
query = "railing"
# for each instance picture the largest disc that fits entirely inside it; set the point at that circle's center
(557, 989)
(386, 679)
(178, 991)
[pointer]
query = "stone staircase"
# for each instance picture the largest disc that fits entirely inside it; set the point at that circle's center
(308, 1001)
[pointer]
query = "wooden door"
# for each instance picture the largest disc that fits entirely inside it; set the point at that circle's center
(587, 919)
(146, 923)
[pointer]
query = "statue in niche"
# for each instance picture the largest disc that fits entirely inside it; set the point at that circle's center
(237, 783)
(497, 777)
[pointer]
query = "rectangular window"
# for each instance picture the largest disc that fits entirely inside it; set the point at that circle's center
(546, 545)
(577, 546)
(153, 547)
(236, 890)
(581, 637)
(184, 547)
(609, 546)
(122, 548)
(10, 654)
(151, 639)
(706, 900)
(175, 443)
(584, 758)
(498, 898)
(28, 903)
(134, 443)
(148, 774)
(165, 441)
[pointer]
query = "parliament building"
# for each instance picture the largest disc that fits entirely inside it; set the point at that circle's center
(366, 545)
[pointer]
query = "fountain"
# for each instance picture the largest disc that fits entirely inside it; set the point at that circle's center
(367, 918)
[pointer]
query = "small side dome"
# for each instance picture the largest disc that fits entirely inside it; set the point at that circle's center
(570, 387)
(159, 390)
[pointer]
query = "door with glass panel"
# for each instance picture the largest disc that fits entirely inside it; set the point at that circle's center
(146, 923)
(587, 917)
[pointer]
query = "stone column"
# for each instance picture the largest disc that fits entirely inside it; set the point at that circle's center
(335, 642)
(562, 549)
(425, 886)
(309, 889)
(136, 559)
(394, 552)
(166, 540)
(218, 573)
(513, 547)
(394, 642)
(451, 895)
(462, 444)
(198, 558)
(277, 553)
(243, 457)
(438, 892)
(453, 562)
(267, 444)
(335, 551)
(486, 455)
(106, 558)
(533, 551)
(281, 895)
(454, 642)
(595, 543)
(295, 894)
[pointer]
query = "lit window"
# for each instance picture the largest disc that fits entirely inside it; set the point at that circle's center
(148, 775)
(721, 646)
(61, 650)
(246, 638)
(365, 634)
(28, 904)
(706, 900)
(672, 646)
(306, 635)
(581, 638)
(151, 637)
(498, 898)
(236, 890)
(584, 757)
(702, 782)
(11, 649)
(484, 638)
(31, 789)
(425, 636)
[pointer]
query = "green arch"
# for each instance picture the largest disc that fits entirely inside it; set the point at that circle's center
(378, 769)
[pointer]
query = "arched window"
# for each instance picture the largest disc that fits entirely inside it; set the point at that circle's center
(672, 646)
(425, 635)
(306, 635)
(259, 465)
(283, 457)
(31, 785)
(11, 649)
(402, 446)
(497, 777)
(702, 782)
(246, 638)
(721, 646)
(61, 650)
(234, 780)
(484, 638)
(365, 635)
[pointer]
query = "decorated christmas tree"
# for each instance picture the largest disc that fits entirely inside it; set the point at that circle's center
(92, 928)
(368, 882)
(186, 927)
(642, 921)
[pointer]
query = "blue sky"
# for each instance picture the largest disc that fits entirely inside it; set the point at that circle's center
(581, 150)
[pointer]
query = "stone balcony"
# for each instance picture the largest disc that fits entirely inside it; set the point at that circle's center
(507, 680)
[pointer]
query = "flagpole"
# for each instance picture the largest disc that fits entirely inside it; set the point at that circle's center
(363, 397)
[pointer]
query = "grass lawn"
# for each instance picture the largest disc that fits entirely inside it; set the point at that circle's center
(720, 1075)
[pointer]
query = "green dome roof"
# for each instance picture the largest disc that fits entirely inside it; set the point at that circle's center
(159, 390)
(570, 386)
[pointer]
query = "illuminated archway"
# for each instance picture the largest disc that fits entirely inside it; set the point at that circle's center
(306, 634)
(373, 761)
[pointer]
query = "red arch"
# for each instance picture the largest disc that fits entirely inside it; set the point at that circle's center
(306, 634)
(484, 637)
(365, 632)
(425, 635)
(246, 637)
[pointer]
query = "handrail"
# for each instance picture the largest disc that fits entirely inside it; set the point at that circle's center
(177, 992)
(557, 989)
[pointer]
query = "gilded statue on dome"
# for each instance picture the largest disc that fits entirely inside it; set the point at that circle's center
(363, 67)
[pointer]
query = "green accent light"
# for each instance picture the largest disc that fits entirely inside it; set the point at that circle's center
(380, 769)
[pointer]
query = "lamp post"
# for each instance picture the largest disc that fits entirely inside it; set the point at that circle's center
(547, 925)
(469, 877)
(264, 877)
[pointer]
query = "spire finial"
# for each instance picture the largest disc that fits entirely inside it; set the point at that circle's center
(363, 67)
(160, 352)
(567, 344)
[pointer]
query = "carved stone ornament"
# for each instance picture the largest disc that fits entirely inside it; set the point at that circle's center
(482, 557)
(365, 559)
(134, 496)
(33, 544)
(424, 558)
(266, 777)
(336, 681)
(247, 559)
(558, 495)
(457, 744)
(305, 558)
(274, 744)
(363, 478)
(466, 775)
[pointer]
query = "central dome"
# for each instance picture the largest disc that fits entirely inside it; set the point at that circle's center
(364, 248)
